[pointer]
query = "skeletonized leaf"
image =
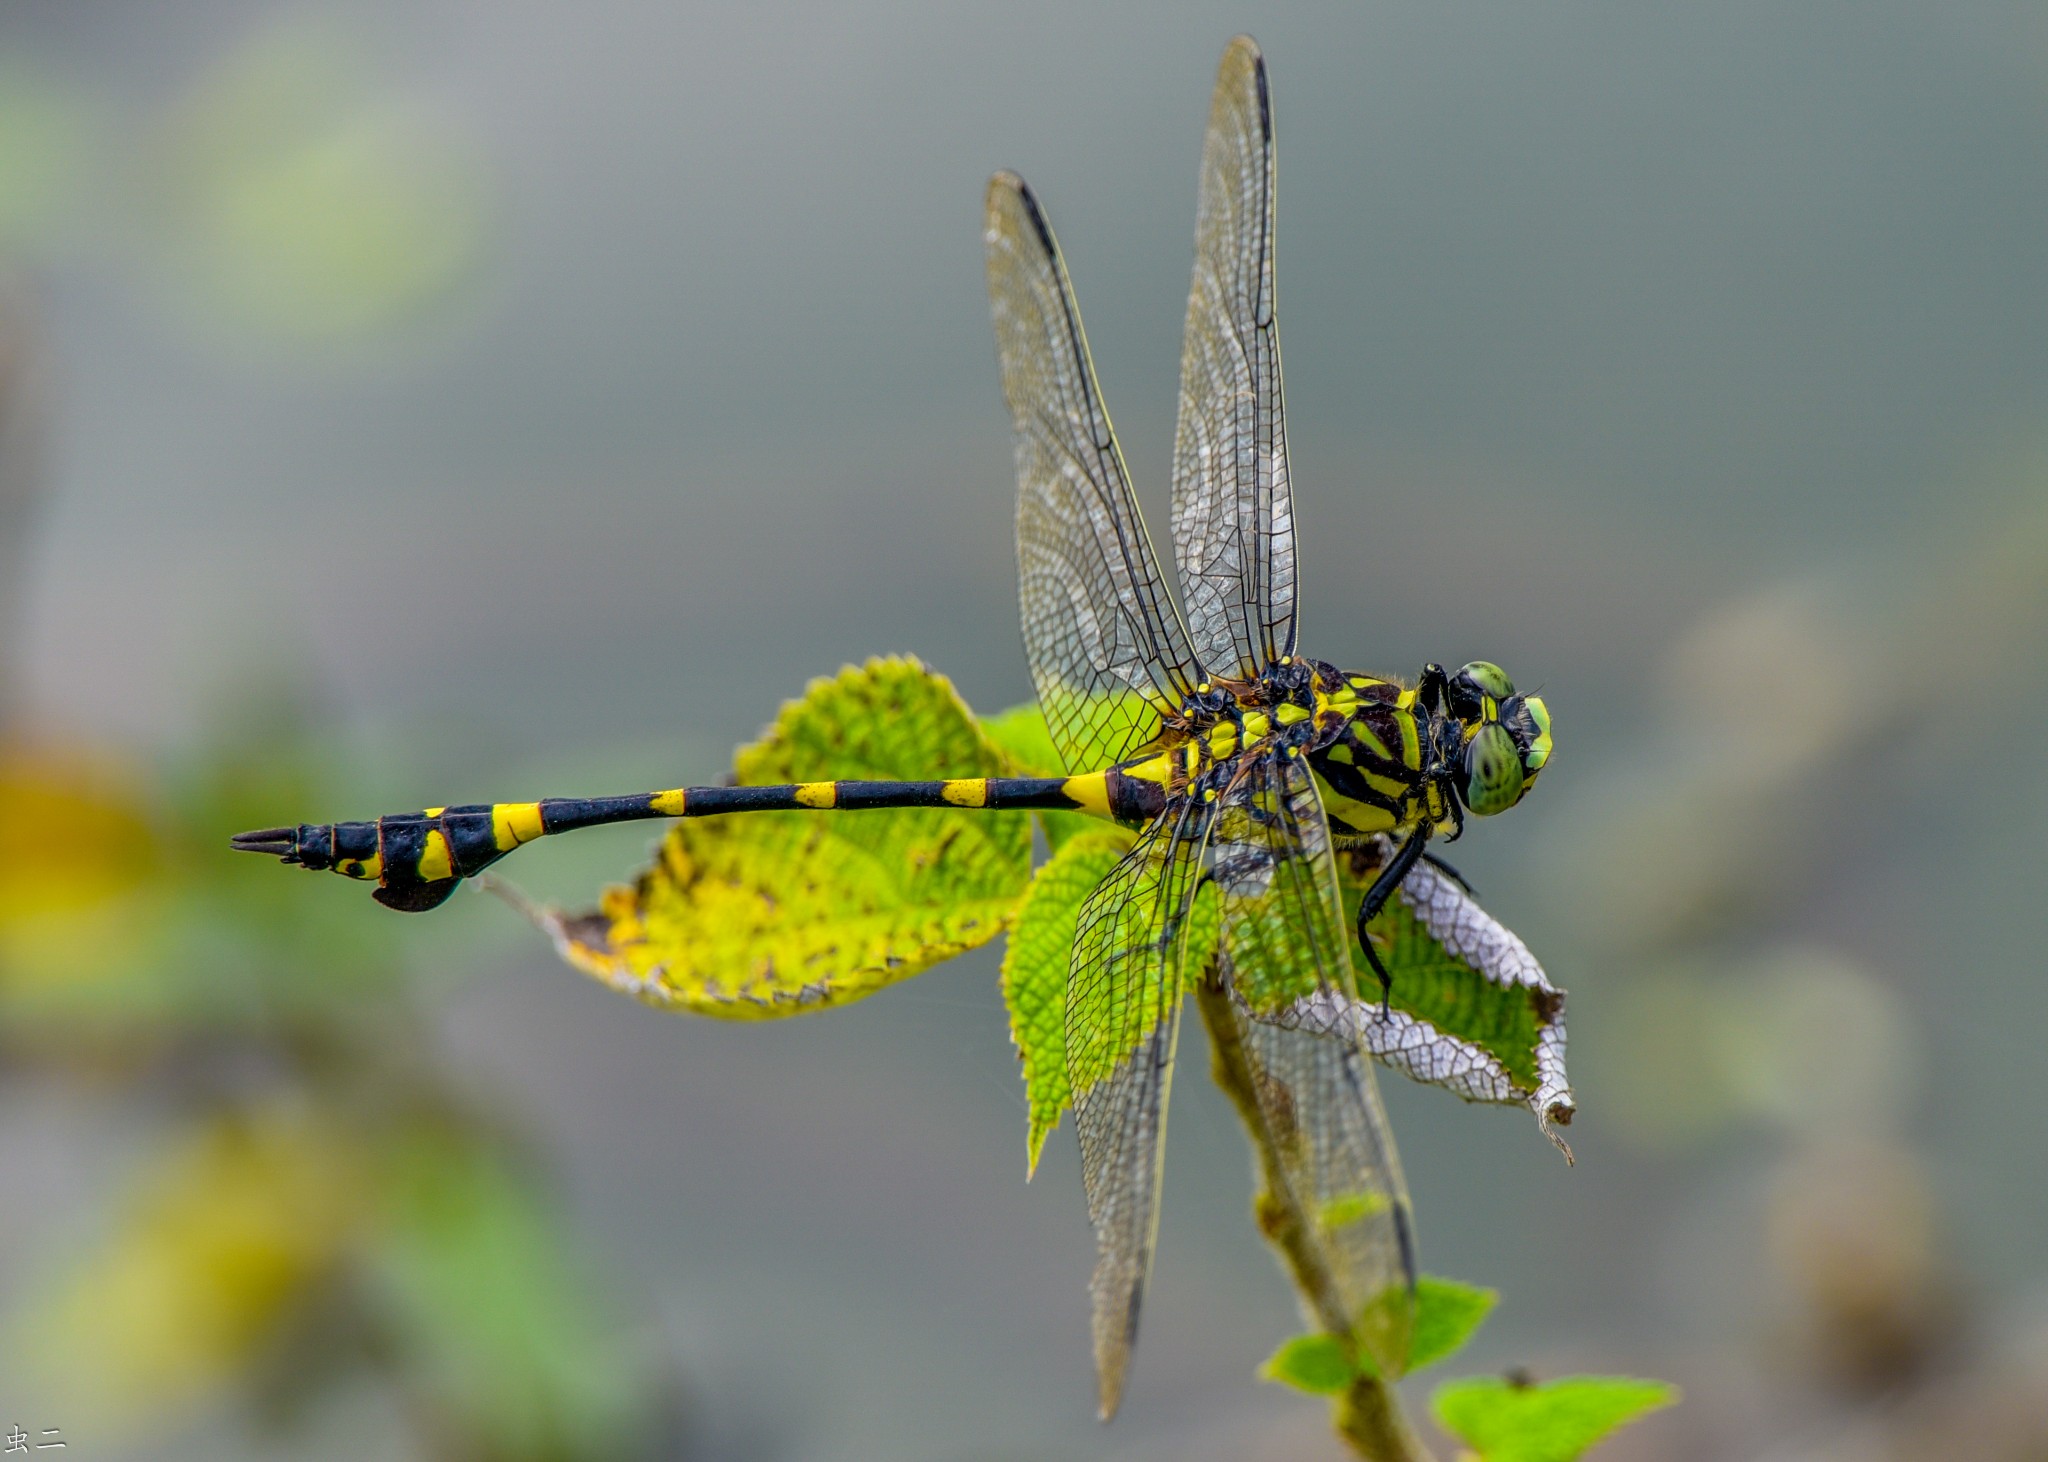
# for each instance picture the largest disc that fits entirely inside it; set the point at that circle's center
(774, 913)
(1471, 1010)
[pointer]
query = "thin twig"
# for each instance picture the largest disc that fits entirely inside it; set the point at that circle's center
(1368, 1414)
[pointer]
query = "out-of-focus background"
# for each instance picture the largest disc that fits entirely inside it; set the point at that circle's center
(417, 404)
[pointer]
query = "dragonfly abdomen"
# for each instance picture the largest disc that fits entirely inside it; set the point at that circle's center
(417, 859)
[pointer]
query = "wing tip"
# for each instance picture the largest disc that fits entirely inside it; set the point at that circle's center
(1240, 56)
(1112, 1363)
(1008, 191)
(1118, 1296)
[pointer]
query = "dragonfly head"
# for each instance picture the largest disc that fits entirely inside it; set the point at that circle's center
(1504, 738)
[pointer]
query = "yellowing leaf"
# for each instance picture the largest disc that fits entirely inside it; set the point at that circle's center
(1035, 971)
(75, 851)
(71, 834)
(774, 913)
(205, 1262)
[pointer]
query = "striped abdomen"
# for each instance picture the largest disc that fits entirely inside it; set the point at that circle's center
(416, 859)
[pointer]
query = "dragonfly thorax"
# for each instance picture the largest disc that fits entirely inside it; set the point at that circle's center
(1398, 756)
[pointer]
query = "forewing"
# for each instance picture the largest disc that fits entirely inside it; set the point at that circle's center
(1108, 652)
(1123, 1017)
(1283, 940)
(1233, 511)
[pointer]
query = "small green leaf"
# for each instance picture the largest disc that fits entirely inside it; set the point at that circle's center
(1035, 971)
(1349, 1208)
(1321, 1365)
(1554, 1422)
(1447, 1314)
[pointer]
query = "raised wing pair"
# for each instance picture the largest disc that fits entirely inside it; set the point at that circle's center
(1242, 765)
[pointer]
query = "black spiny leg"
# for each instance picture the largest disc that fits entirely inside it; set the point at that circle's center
(1449, 872)
(1376, 899)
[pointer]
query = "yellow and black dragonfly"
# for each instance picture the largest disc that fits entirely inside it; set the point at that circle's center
(1244, 766)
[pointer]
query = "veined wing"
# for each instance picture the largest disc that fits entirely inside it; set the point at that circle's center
(1283, 939)
(1108, 652)
(1233, 508)
(1123, 1018)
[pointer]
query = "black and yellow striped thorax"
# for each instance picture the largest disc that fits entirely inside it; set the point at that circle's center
(1365, 738)
(1373, 772)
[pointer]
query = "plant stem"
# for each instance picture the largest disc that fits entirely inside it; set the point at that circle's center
(1368, 1414)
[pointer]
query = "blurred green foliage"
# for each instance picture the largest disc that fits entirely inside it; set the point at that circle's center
(305, 203)
(320, 1205)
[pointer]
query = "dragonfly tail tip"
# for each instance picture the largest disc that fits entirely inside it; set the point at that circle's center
(278, 842)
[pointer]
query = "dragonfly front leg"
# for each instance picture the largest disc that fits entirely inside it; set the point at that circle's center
(1376, 899)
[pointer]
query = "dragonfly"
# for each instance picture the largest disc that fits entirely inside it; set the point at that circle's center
(1243, 767)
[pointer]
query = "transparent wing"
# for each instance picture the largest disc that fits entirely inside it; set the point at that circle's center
(1123, 1017)
(1108, 652)
(1233, 509)
(1283, 939)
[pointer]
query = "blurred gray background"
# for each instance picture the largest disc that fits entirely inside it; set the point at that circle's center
(556, 388)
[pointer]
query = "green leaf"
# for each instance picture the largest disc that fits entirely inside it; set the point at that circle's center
(1321, 1365)
(1471, 1010)
(496, 1326)
(1035, 971)
(1028, 751)
(1447, 1314)
(1348, 1208)
(1025, 740)
(776, 913)
(1508, 1422)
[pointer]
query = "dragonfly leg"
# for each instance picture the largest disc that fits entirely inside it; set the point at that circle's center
(1449, 872)
(1376, 899)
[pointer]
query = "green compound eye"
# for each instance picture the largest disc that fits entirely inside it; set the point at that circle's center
(1487, 678)
(1537, 717)
(1493, 771)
